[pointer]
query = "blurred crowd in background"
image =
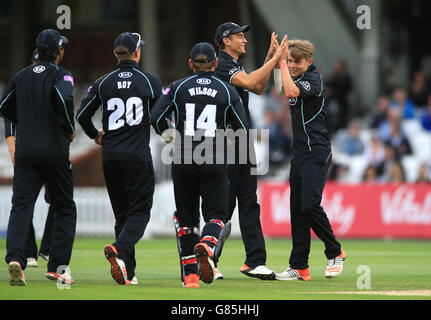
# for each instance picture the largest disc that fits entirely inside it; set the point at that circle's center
(378, 139)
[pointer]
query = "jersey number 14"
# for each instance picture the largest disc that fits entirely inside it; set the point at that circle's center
(206, 121)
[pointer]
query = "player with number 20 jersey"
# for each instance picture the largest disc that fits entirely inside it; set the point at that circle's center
(127, 96)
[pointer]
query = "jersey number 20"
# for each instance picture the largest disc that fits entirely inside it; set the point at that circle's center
(133, 109)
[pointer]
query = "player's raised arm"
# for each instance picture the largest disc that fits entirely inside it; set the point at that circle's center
(290, 89)
(295, 80)
(258, 80)
(273, 47)
(232, 41)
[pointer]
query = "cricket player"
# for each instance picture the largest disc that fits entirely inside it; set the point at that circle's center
(202, 105)
(39, 101)
(232, 41)
(127, 95)
(298, 79)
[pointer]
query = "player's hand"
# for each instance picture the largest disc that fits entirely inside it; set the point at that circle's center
(10, 141)
(72, 136)
(99, 139)
(285, 44)
(12, 157)
(273, 47)
(169, 135)
(277, 47)
(282, 50)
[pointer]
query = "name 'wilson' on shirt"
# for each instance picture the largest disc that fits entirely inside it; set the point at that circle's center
(198, 91)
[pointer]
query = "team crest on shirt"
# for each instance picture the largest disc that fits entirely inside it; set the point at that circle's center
(306, 85)
(293, 101)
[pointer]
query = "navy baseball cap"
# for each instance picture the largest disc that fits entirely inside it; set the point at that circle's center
(130, 41)
(228, 28)
(203, 52)
(50, 40)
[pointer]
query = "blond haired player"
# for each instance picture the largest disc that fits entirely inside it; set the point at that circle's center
(297, 79)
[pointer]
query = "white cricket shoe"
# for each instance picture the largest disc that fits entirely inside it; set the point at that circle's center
(294, 274)
(335, 266)
(64, 278)
(217, 274)
(32, 263)
(260, 272)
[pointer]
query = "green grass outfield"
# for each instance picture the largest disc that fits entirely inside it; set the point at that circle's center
(398, 268)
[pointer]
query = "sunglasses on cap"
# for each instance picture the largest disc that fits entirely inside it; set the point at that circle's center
(138, 44)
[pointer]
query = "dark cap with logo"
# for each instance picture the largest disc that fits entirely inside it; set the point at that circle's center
(203, 52)
(128, 40)
(228, 28)
(50, 40)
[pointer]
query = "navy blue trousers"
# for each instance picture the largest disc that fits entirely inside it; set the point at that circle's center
(307, 181)
(27, 183)
(130, 187)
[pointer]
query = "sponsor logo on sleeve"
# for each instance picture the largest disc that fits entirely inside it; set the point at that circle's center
(69, 79)
(233, 70)
(306, 85)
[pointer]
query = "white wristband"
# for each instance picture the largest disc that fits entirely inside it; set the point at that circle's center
(278, 81)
